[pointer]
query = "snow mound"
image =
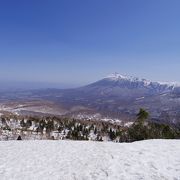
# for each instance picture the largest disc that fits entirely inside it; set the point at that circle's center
(70, 160)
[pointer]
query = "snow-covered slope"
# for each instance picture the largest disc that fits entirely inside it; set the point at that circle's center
(73, 160)
(126, 87)
(118, 77)
(131, 82)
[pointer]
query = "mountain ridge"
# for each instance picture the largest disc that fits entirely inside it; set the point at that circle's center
(129, 83)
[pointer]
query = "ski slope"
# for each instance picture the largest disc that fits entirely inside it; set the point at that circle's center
(81, 160)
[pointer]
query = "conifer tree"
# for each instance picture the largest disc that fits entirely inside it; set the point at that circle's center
(142, 115)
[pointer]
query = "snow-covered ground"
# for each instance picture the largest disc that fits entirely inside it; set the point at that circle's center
(75, 160)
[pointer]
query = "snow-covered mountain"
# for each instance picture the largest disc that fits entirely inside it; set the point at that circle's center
(141, 82)
(122, 96)
(114, 96)
(129, 87)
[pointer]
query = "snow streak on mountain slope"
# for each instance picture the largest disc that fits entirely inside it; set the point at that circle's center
(70, 160)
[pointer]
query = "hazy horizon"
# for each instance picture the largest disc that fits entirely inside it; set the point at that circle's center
(73, 43)
(59, 85)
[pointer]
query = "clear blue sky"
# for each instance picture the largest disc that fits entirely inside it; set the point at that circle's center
(80, 41)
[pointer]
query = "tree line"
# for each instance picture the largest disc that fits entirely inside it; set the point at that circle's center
(73, 129)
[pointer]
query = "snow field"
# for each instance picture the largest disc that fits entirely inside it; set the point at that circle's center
(86, 160)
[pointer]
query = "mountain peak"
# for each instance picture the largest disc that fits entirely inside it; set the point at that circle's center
(116, 76)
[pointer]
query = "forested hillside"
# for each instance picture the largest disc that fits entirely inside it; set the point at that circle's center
(14, 127)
